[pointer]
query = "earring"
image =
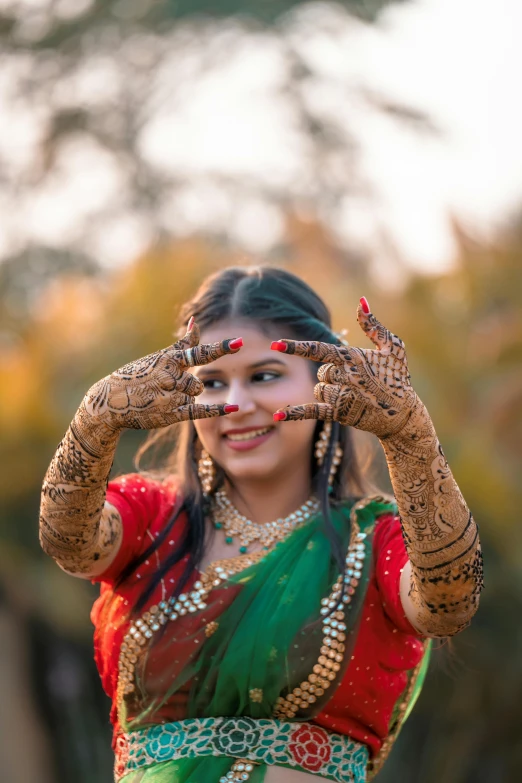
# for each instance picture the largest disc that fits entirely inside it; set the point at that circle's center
(206, 472)
(321, 447)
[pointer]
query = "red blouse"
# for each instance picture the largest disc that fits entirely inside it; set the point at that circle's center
(387, 645)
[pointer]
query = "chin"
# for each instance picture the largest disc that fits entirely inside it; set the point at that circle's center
(252, 471)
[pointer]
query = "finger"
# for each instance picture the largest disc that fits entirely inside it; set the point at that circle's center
(196, 411)
(184, 399)
(199, 355)
(330, 373)
(328, 393)
(309, 411)
(191, 337)
(314, 350)
(189, 384)
(381, 337)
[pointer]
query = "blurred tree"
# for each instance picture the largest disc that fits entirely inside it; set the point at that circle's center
(94, 90)
(24, 276)
(55, 25)
(463, 332)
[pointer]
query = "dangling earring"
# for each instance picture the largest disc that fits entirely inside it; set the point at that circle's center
(206, 472)
(321, 447)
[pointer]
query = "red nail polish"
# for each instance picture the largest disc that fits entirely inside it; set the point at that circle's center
(231, 408)
(364, 304)
(279, 416)
(237, 343)
(190, 323)
(277, 345)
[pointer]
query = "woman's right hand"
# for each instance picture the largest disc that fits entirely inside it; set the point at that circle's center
(157, 391)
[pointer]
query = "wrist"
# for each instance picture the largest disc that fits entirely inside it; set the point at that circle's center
(418, 427)
(97, 412)
(97, 435)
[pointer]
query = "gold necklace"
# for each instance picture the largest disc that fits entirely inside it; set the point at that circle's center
(226, 516)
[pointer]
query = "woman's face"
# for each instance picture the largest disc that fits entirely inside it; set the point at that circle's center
(250, 445)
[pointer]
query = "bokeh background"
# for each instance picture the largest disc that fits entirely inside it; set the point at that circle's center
(371, 147)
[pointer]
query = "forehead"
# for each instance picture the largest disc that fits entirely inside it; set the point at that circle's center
(256, 345)
(240, 328)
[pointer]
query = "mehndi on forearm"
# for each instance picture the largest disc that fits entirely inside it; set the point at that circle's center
(439, 531)
(74, 529)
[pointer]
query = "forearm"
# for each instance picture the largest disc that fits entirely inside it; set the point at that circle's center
(440, 534)
(73, 496)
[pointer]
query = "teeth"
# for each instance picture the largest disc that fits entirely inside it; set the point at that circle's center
(249, 435)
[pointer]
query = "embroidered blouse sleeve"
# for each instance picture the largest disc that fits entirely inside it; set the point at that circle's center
(139, 501)
(390, 557)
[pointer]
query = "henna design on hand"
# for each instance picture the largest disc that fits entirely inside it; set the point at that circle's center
(371, 390)
(358, 387)
(156, 391)
(76, 527)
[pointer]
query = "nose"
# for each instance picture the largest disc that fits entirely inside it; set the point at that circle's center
(238, 394)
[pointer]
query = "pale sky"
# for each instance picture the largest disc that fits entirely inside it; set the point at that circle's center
(461, 60)
(458, 60)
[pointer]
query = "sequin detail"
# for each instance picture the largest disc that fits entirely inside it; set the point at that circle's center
(239, 772)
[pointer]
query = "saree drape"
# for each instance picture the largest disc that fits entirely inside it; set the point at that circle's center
(263, 634)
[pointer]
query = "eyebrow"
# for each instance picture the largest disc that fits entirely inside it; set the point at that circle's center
(209, 369)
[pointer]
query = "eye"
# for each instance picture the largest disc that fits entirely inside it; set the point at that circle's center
(212, 384)
(265, 375)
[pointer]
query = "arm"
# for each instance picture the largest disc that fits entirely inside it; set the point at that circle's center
(81, 533)
(441, 584)
(77, 529)
(371, 390)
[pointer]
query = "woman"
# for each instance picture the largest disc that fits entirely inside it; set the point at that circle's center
(262, 617)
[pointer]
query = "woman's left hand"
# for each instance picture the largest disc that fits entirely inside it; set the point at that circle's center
(363, 388)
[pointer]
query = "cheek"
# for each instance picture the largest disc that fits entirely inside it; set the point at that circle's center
(298, 435)
(207, 432)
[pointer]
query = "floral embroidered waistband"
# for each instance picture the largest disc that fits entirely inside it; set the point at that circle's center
(304, 746)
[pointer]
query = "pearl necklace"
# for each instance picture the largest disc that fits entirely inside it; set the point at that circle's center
(225, 515)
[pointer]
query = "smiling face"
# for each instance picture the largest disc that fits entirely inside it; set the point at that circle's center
(249, 445)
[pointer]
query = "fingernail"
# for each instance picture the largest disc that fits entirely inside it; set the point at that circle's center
(364, 304)
(277, 345)
(237, 343)
(279, 416)
(190, 323)
(231, 408)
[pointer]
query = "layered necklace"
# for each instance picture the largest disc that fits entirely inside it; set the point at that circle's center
(234, 524)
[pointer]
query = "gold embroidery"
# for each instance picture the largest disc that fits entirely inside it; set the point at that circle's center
(211, 628)
(256, 694)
